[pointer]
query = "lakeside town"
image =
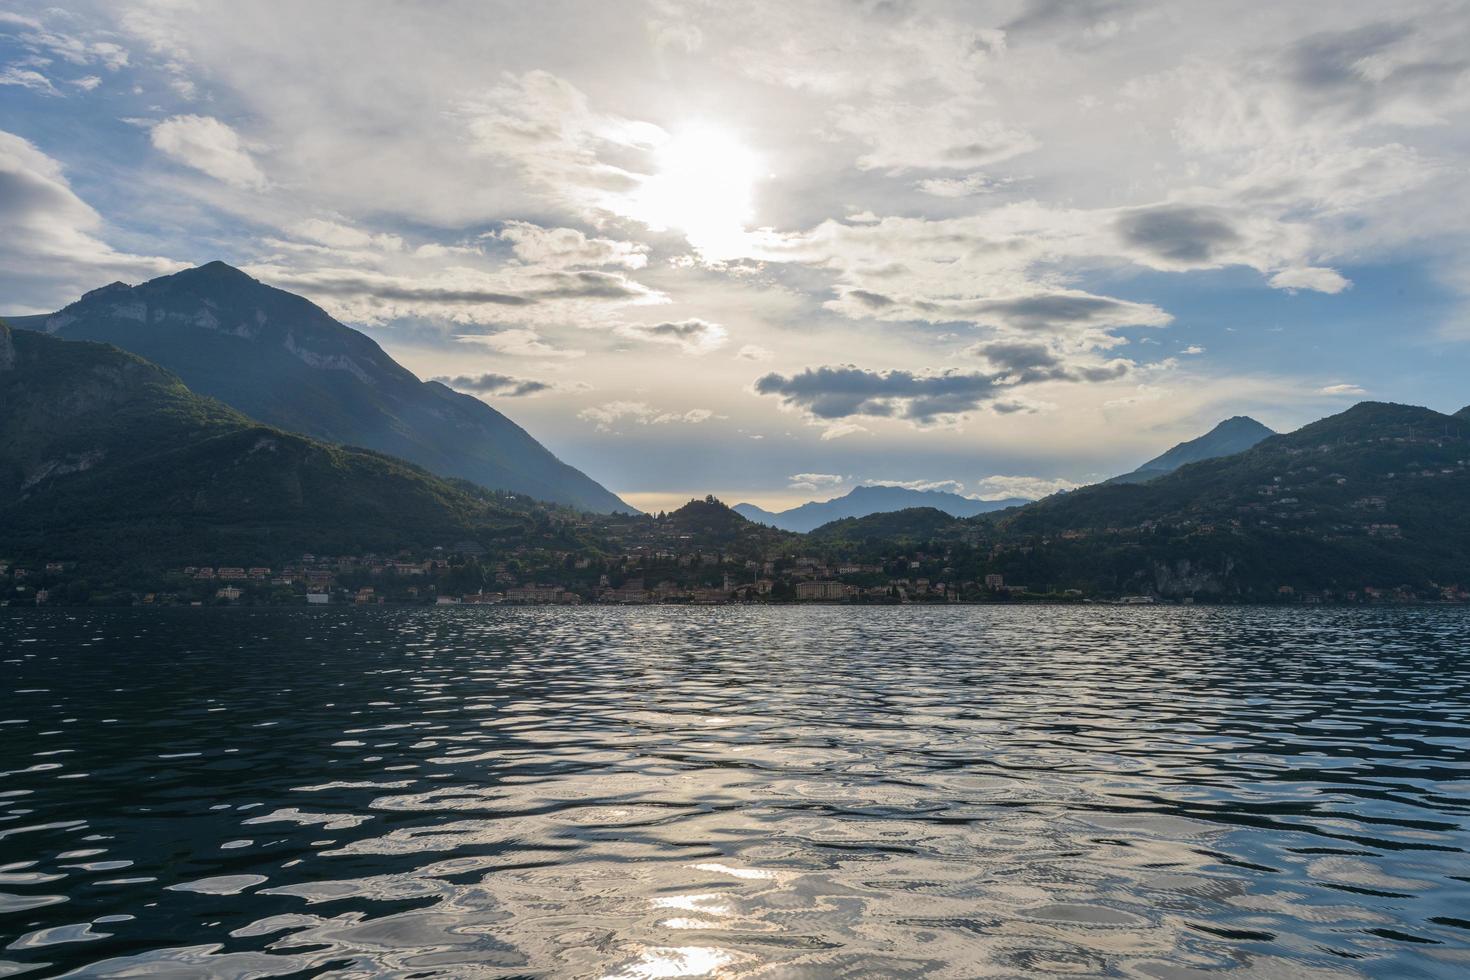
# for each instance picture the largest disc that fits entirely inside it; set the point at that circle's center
(467, 576)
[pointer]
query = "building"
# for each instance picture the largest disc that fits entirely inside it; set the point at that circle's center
(820, 591)
(995, 582)
(317, 598)
(229, 593)
(230, 574)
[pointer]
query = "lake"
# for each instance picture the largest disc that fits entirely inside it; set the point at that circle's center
(776, 792)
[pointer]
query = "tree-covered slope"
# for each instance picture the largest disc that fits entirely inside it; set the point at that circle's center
(1373, 496)
(107, 457)
(282, 360)
(910, 525)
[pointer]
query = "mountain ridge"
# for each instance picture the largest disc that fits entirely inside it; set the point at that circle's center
(1233, 435)
(284, 361)
(104, 452)
(869, 499)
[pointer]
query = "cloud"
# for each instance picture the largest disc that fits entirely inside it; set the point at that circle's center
(566, 248)
(1031, 362)
(1307, 277)
(838, 430)
(944, 136)
(86, 83)
(497, 384)
(519, 342)
(944, 486)
(814, 481)
(546, 129)
(1193, 349)
(969, 185)
(52, 249)
(211, 147)
(606, 417)
(1180, 235)
(692, 336)
(831, 393)
(754, 352)
(1030, 487)
(462, 294)
(27, 78)
(1058, 310)
(1342, 389)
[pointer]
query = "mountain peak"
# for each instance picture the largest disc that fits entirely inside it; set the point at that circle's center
(1463, 413)
(283, 360)
(212, 273)
(1234, 435)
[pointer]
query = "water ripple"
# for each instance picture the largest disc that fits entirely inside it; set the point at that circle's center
(949, 792)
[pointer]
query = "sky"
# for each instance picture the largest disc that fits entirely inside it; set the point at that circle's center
(776, 250)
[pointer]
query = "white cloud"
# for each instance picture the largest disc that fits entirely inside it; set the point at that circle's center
(53, 247)
(947, 486)
(840, 430)
(607, 416)
(951, 135)
(211, 147)
(1342, 389)
(1030, 487)
(815, 481)
(1307, 277)
(754, 352)
(27, 78)
(966, 186)
(570, 248)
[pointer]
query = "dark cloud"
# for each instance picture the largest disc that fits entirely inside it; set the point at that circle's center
(1046, 16)
(873, 301)
(549, 286)
(1025, 362)
(1186, 234)
(496, 384)
(1037, 311)
(588, 285)
(840, 392)
(691, 330)
(1329, 67)
(696, 336)
(1040, 311)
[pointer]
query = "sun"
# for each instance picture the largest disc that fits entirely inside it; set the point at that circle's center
(704, 186)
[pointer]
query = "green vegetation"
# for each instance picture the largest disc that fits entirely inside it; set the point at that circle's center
(108, 459)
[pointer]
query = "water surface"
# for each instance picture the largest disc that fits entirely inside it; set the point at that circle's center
(772, 792)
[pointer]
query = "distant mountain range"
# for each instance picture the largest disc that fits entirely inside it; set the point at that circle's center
(865, 500)
(282, 360)
(1234, 435)
(106, 455)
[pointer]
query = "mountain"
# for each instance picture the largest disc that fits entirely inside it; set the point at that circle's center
(711, 523)
(282, 360)
(1373, 496)
(862, 501)
(915, 524)
(108, 458)
(1463, 413)
(1234, 435)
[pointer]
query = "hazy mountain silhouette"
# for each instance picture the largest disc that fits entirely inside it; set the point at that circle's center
(865, 500)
